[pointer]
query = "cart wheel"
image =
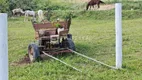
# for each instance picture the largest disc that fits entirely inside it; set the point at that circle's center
(33, 52)
(70, 44)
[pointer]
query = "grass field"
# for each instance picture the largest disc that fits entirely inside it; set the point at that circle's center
(94, 38)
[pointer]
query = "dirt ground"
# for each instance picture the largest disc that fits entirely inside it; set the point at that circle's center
(104, 7)
(25, 60)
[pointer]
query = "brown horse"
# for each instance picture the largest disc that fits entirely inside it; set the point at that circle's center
(92, 3)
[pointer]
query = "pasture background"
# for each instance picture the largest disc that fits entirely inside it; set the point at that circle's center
(8, 5)
(94, 35)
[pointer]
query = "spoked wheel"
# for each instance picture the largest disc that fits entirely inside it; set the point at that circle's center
(33, 52)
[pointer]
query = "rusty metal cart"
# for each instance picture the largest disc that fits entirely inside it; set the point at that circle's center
(50, 39)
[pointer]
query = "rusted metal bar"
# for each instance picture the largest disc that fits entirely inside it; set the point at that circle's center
(61, 61)
(93, 59)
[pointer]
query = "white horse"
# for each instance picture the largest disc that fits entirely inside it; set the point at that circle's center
(40, 15)
(29, 13)
(17, 11)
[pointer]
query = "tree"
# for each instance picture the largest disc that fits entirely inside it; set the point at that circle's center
(4, 7)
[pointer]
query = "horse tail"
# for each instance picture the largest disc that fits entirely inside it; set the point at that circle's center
(101, 2)
(87, 6)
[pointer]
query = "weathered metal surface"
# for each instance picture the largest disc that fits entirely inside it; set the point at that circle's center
(48, 38)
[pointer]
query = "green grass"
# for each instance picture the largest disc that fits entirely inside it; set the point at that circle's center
(94, 38)
(97, 15)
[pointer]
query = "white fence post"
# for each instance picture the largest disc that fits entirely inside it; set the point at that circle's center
(118, 29)
(3, 47)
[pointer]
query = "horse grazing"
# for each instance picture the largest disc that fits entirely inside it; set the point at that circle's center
(29, 13)
(92, 3)
(17, 11)
(40, 15)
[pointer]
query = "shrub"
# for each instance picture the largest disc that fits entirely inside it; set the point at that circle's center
(129, 5)
(4, 7)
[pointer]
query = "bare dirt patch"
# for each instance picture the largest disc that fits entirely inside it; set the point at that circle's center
(106, 7)
(25, 60)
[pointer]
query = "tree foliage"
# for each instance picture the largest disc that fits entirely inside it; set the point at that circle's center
(9, 5)
(24, 4)
(4, 7)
